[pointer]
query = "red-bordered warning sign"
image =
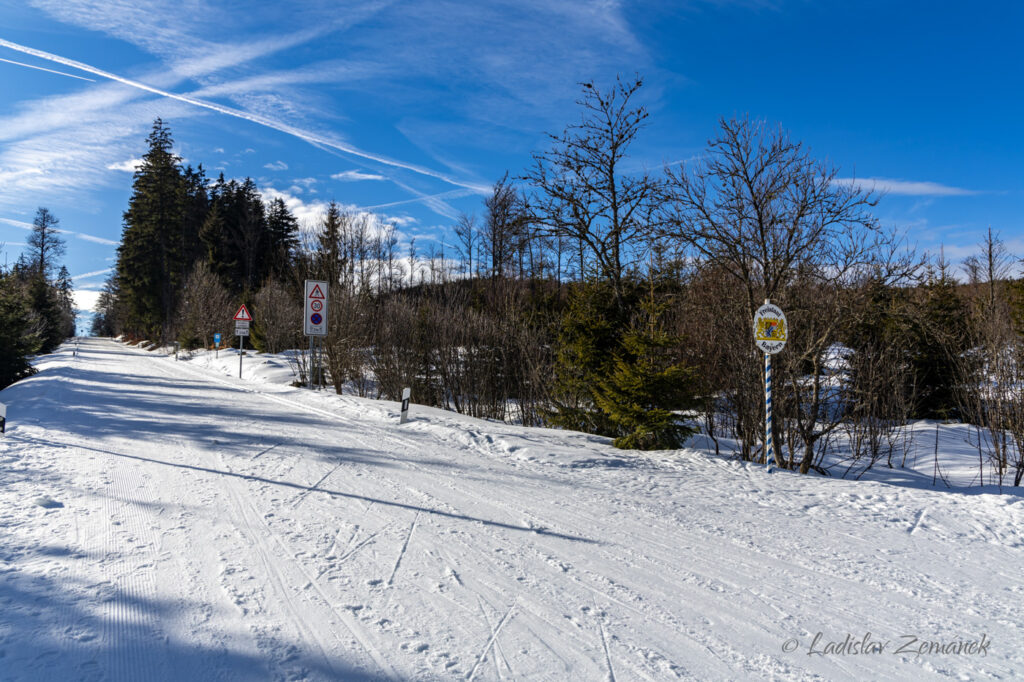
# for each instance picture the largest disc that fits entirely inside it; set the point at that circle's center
(315, 318)
(243, 314)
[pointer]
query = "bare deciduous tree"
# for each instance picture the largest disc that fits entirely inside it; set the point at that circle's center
(583, 193)
(206, 308)
(759, 207)
(278, 312)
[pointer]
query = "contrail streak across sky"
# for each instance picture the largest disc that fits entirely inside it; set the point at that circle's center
(39, 68)
(311, 138)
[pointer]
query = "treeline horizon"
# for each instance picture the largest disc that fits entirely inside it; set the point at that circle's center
(592, 298)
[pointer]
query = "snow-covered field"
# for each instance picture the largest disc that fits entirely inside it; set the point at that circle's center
(166, 520)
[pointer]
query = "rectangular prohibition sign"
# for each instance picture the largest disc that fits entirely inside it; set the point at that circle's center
(314, 322)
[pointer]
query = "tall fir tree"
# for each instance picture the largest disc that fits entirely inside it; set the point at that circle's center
(195, 207)
(66, 301)
(45, 245)
(237, 235)
(329, 245)
(152, 258)
(283, 238)
(937, 340)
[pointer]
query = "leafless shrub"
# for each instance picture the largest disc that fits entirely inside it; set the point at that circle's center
(205, 309)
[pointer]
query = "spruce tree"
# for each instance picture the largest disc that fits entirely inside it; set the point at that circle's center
(937, 339)
(646, 384)
(44, 300)
(588, 339)
(195, 207)
(153, 253)
(66, 302)
(237, 236)
(45, 245)
(283, 238)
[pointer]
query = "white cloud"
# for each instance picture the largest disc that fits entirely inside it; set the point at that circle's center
(130, 166)
(276, 166)
(311, 213)
(355, 176)
(910, 188)
(85, 299)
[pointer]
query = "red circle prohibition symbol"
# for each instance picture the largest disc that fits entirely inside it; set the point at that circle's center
(315, 318)
(316, 305)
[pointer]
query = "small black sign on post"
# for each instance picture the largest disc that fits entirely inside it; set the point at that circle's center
(406, 392)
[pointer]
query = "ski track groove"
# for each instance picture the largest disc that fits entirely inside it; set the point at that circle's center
(281, 582)
(499, 655)
(314, 487)
(604, 643)
(490, 641)
(405, 546)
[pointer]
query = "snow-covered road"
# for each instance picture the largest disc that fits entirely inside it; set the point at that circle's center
(218, 529)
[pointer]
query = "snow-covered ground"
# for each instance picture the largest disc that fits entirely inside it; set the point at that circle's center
(166, 520)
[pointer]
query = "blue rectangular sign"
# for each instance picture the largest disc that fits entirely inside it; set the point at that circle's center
(216, 339)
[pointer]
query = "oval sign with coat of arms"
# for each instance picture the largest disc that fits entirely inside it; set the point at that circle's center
(770, 328)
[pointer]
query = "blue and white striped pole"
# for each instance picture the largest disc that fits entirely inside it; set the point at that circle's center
(770, 331)
(769, 445)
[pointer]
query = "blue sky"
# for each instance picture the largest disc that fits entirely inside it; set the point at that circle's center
(412, 109)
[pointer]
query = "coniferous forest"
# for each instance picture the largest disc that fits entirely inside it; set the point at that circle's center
(585, 296)
(36, 307)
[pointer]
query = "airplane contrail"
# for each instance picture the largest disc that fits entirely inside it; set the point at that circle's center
(39, 68)
(311, 138)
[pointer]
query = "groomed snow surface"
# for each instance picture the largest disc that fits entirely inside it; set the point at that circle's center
(164, 520)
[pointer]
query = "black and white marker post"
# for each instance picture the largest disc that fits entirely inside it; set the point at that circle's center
(770, 331)
(3, 418)
(406, 393)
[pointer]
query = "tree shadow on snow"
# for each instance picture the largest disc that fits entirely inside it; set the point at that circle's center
(56, 627)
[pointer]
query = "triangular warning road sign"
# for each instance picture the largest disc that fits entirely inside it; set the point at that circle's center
(243, 314)
(316, 293)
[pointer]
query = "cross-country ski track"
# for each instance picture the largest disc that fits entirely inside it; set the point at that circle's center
(213, 528)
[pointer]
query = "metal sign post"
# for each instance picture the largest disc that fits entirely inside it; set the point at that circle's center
(770, 333)
(406, 392)
(314, 320)
(242, 320)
